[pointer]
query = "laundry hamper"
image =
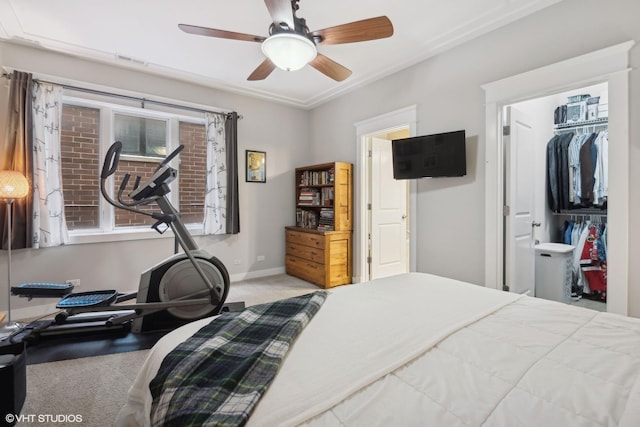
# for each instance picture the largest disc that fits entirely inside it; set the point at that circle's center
(553, 271)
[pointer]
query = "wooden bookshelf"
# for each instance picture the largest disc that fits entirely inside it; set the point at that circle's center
(319, 245)
(324, 197)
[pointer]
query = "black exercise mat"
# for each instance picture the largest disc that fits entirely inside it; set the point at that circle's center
(54, 349)
(46, 348)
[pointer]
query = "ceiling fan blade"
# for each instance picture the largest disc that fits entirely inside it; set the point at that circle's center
(281, 11)
(358, 31)
(263, 70)
(330, 68)
(211, 32)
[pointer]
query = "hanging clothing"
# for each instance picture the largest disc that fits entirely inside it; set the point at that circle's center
(582, 231)
(558, 171)
(589, 263)
(593, 262)
(552, 174)
(587, 162)
(577, 170)
(574, 165)
(601, 173)
(568, 230)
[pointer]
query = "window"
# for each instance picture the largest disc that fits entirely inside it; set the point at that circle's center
(141, 136)
(88, 129)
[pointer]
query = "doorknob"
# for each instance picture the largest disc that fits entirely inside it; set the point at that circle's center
(535, 224)
(404, 217)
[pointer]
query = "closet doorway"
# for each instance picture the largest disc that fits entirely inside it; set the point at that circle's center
(531, 218)
(610, 65)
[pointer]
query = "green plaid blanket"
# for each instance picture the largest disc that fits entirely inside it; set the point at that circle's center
(217, 376)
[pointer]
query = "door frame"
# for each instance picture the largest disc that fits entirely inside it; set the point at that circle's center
(385, 123)
(610, 65)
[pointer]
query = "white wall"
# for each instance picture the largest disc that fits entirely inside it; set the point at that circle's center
(447, 90)
(266, 209)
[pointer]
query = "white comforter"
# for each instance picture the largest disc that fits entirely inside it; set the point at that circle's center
(418, 349)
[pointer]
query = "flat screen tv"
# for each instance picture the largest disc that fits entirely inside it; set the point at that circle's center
(437, 155)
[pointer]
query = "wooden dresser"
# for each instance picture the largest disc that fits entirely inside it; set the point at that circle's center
(320, 257)
(319, 247)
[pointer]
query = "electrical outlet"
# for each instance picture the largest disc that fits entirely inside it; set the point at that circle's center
(260, 258)
(74, 282)
(237, 262)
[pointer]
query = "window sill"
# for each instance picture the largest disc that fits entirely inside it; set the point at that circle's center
(79, 237)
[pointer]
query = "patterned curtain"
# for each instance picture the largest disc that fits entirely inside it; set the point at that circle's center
(49, 225)
(216, 191)
(15, 154)
(221, 214)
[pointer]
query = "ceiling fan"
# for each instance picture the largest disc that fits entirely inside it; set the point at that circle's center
(290, 45)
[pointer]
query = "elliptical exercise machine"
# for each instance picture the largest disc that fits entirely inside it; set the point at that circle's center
(184, 287)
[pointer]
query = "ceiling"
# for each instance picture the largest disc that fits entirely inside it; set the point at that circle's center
(144, 34)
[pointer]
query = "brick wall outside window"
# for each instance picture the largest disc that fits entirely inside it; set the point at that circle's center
(192, 174)
(81, 165)
(79, 142)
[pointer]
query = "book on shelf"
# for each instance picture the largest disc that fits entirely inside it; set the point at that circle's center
(325, 222)
(317, 177)
(306, 218)
(327, 196)
(309, 197)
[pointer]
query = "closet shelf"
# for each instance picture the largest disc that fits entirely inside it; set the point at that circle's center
(587, 123)
(582, 211)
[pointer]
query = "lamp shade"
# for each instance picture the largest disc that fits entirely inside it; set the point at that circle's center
(289, 51)
(13, 185)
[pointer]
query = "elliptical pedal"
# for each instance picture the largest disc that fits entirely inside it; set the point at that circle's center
(42, 290)
(88, 299)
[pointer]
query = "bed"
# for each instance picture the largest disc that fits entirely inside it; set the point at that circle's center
(422, 350)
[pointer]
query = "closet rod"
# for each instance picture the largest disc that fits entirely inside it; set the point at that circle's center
(129, 97)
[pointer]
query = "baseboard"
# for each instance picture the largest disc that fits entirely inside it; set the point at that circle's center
(256, 274)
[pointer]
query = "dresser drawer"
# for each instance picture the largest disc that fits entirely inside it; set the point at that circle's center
(306, 252)
(305, 239)
(307, 270)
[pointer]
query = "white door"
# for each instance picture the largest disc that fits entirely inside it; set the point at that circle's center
(389, 240)
(520, 221)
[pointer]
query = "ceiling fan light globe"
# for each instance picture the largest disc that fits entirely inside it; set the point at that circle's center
(289, 51)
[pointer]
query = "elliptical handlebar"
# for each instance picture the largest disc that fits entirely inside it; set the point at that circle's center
(170, 157)
(111, 160)
(109, 167)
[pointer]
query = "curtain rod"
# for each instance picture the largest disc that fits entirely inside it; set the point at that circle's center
(129, 97)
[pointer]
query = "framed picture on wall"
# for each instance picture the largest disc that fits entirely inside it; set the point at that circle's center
(256, 162)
